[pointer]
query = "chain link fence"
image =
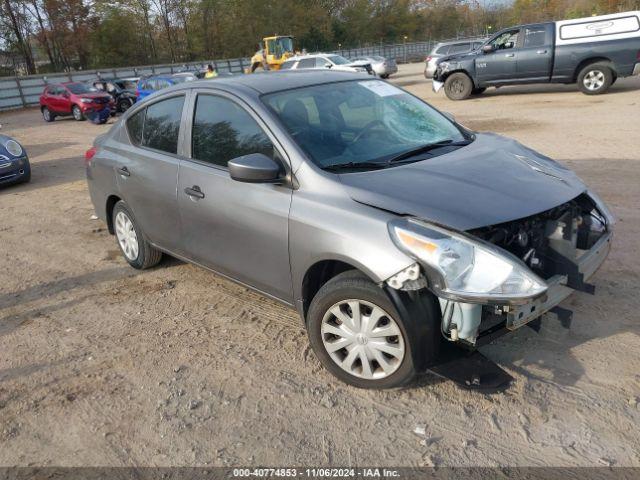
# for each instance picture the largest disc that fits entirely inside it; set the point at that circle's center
(20, 92)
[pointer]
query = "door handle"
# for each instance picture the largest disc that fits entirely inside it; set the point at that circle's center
(509, 55)
(124, 171)
(541, 52)
(194, 192)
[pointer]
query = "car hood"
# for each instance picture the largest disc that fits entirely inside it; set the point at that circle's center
(491, 181)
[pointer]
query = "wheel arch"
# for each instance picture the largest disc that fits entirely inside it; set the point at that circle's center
(589, 61)
(110, 204)
(319, 274)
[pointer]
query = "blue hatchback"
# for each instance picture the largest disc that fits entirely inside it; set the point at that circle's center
(147, 86)
(14, 163)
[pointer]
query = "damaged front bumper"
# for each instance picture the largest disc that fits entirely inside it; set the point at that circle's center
(436, 86)
(561, 286)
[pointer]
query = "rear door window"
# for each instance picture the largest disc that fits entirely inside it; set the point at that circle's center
(162, 125)
(307, 63)
(534, 37)
(442, 50)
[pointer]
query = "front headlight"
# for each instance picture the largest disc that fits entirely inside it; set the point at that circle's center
(603, 209)
(13, 148)
(86, 100)
(463, 269)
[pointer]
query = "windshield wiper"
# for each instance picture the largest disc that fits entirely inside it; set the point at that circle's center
(427, 148)
(355, 166)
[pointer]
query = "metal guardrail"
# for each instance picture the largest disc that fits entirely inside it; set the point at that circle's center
(21, 92)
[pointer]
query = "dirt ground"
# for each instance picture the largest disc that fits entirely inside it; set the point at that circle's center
(104, 365)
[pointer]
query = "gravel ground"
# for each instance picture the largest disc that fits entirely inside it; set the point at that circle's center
(104, 365)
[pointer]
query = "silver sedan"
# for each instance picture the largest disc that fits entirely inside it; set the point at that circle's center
(383, 67)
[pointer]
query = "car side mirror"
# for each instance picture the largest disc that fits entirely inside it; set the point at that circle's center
(487, 48)
(255, 168)
(449, 116)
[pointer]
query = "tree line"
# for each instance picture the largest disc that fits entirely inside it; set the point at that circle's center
(39, 36)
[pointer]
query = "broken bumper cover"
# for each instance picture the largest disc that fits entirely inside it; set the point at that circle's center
(559, 288)
(436, 85)
(636, 69)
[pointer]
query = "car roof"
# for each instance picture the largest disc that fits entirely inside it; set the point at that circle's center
(269, 82)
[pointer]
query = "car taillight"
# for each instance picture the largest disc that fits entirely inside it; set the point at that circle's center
(428, 59)
(89, 154)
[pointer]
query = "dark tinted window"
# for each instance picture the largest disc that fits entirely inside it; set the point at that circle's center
(307, 63)
(162, 125)
(442, 50)
(287, 65)
(222, 131)
(534, 37)
(460, 48)
(134, 126)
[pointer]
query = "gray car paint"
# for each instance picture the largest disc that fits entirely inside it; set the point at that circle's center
(269, 236)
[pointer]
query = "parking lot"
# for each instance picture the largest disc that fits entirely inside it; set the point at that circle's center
(101, 364)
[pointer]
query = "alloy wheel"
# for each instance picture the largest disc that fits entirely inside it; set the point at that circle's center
(594, 80)
(46, 114)
(362, 339)
(126, 235)
(77, 114)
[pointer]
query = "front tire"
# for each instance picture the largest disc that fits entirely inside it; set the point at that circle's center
(47, 115)
(137, 251)
(358, 335)
(77, 113)
(458, 86)
(595, 79)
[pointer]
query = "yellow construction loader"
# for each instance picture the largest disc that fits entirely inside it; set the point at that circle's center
(273, 52)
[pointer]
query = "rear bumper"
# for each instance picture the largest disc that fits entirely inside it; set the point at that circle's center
(429, 70)
(636, 69)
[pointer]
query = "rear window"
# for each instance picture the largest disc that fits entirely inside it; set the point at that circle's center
(287, 65)
(162, 125)
(442, 50)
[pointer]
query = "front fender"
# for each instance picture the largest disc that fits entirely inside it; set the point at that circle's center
(326, 224)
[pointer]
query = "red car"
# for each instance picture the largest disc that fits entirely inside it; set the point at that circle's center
(77, 99)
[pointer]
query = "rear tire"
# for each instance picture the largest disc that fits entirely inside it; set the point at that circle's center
(458, 86)
(377, 361)
(124, 105)
(47, 115)
(595, 79)
(135, 248)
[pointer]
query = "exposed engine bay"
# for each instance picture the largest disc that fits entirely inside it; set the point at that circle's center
(558, 245)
